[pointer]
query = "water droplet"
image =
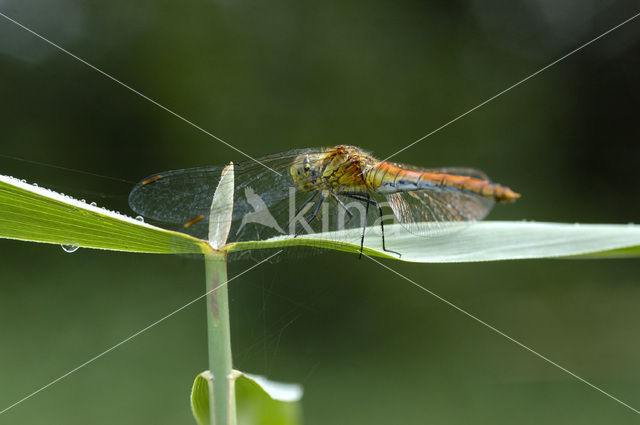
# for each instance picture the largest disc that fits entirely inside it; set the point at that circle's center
(93, 204)
(35, 184)
(140, 218)
(23, 181)
(70, 247)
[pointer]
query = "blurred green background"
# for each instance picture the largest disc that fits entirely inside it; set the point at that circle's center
(368, 347)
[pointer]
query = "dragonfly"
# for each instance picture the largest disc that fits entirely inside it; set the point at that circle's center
(319, 190)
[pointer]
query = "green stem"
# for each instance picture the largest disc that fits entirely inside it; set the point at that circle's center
(221, 391)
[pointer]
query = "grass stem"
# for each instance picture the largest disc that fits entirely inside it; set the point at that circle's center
(221, 391)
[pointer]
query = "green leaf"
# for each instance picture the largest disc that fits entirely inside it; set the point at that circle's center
(200, 398)
(481, 241)
(258, 400)
(222, 209)
(36, 214)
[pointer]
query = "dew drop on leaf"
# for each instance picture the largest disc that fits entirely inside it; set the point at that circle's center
(69, 247)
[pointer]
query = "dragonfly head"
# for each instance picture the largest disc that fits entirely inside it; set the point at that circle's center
(304, 172)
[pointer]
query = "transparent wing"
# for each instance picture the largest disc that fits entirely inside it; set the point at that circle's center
(437, 211)
(183, 197)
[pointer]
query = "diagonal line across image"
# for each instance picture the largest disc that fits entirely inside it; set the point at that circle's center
(499, 332)
(132, 336)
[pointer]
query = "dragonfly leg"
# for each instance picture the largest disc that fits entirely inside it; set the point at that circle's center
(314, 214)
(304, 204)
(384, 248)
(344, 207)
(367, 198)
(364, 227)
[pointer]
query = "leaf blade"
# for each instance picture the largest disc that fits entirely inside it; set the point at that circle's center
(481, 241)
(36, 214)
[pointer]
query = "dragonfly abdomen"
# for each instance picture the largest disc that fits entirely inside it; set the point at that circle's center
(388, 178)
(480, 187)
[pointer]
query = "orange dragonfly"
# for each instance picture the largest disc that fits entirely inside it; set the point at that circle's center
(321, 190)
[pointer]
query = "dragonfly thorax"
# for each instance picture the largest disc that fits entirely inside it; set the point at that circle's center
(336, 170)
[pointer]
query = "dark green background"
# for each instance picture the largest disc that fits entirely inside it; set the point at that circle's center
(368, 347)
